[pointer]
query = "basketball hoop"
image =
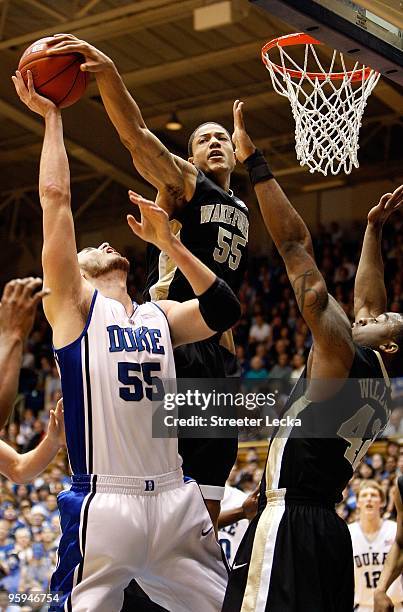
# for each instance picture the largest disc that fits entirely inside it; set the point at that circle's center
(327, 105)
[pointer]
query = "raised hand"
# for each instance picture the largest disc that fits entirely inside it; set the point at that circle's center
(154, 225)
(244, 146)
(388, 204)
(95, 60)
(27, 94)
(56, 425)
(18, 306)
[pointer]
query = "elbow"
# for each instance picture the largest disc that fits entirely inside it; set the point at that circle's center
(133, 139)
(219, 307)
(15, 473)
(52, 192)
(289, 248)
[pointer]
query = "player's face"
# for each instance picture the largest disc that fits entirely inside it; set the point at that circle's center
(375, 331)
(369, 502)
(212, 149)
(102, 260)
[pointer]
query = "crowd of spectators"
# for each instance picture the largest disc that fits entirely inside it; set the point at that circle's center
(272, 341)
(383, 466)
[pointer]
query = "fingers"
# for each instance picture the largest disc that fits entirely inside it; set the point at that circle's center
(59, 39)
(31, 291)
(31, 88)
(18, 288)
(24, 288)
(63, 36)
(238, 115)
(134, 225)
(59, 409)
(138, 199)
(10, 289)
(31, 285)
(65, 47)
(38, 297)
(384, 200)
(148, 209)
(19, 85)
(395, 199)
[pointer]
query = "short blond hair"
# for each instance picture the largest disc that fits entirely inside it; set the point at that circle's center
(372, 484)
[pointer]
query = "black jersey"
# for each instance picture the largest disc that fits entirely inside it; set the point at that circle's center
(315, 459)
(214, 226)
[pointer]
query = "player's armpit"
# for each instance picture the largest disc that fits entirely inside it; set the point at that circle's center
(171, 175)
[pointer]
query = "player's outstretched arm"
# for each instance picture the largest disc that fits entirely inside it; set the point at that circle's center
(216, 308)
(167, 172)
(17, 313)
(393, 567)
(369, 290)
(59, 255)
(325, 318)
(24, 468)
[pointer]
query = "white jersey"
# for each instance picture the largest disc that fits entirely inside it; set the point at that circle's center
(369, 559)
(110, 376)
(230, 537)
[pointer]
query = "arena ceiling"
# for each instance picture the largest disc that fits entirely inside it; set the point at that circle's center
(169, 67)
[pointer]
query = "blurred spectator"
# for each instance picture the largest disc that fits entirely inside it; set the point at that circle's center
(281, 370)
(395, 425)
(378, 465)
(260, 331)
(257, 369)
(298, 363)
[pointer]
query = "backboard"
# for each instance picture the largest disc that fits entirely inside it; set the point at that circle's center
(370, 31)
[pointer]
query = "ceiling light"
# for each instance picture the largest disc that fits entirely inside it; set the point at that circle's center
(173, 123)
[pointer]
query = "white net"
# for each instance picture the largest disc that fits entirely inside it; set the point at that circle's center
(328, 112)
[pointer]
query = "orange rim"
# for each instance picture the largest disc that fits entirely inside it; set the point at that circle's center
(304, 39)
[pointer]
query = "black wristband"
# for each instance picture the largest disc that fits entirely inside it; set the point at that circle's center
(258, 168)
(219, 306)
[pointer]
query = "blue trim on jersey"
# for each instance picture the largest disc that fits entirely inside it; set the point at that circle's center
(70, 364)
(87, 324)
(71, 373)
(159, 308)
(69, 553)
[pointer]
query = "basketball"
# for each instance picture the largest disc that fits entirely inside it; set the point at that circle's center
(57, 77)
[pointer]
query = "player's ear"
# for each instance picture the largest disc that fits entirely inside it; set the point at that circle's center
(389, 347)
(191, 160)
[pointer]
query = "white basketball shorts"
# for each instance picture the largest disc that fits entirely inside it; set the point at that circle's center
(155, 529)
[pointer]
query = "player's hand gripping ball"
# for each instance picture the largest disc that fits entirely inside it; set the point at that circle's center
(57, 77)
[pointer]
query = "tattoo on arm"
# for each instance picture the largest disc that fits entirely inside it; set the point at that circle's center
(308, 297)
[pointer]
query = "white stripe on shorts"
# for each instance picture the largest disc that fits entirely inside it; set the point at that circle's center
(261, 563)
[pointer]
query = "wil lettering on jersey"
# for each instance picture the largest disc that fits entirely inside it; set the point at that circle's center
(138, 339)
(373, 389)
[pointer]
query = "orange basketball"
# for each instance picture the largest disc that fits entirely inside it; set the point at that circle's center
(57, 77)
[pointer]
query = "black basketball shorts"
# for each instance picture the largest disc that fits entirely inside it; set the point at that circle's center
(295, 557)
(207, 460)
